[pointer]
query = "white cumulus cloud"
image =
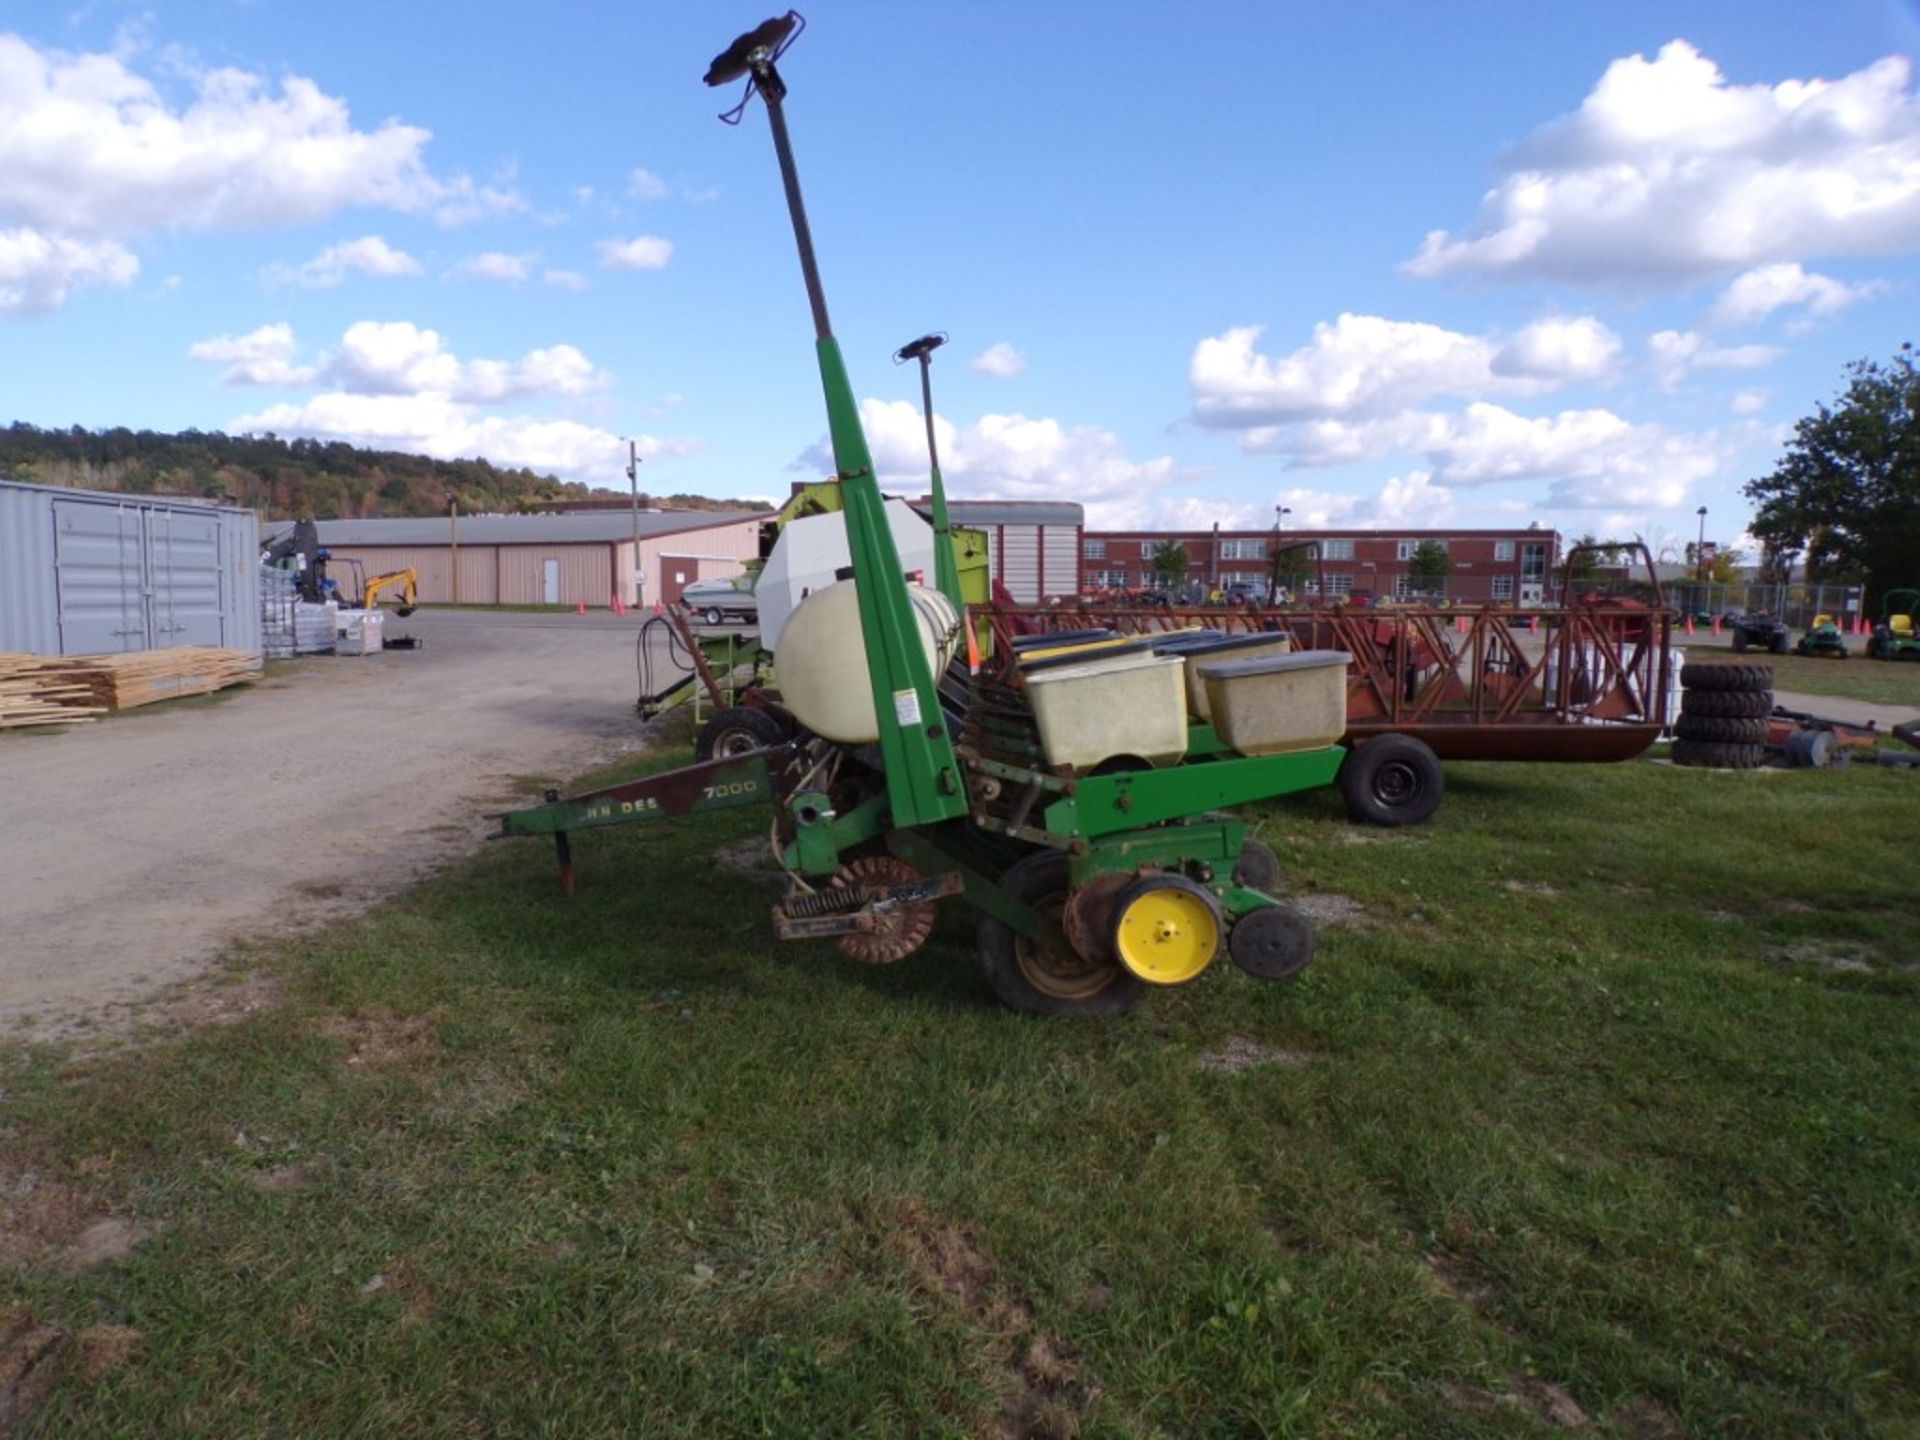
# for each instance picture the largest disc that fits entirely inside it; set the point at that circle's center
(38, 271)
(395, 385)
(1757, 293)
(645, 185)
(1366, 365)
(94, 157)
(1668, 172)
(497, 265)
(260, 357)
(643, 252)
(1000, 360)
(564, 280)
(369, 255)
(1676, 354)
(1005, 457)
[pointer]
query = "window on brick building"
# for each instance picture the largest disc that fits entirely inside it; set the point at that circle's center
(1336, 549)
(1243, 549)
(1094, 550)
(1503, 550)
(1503, 584)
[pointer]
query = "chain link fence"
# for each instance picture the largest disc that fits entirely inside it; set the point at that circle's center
(1796, 605)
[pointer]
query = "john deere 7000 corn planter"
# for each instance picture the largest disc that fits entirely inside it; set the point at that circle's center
(920, 776)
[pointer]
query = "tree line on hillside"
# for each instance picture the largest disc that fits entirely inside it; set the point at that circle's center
(326, 480)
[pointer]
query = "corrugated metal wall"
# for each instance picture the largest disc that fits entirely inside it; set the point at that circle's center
(433, 563)
(84, 572)
(740, 541)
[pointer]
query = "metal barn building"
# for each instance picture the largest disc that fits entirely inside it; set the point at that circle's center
(1033, 546)
(87, 572)
(551, 559)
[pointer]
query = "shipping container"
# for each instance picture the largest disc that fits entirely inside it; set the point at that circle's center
(85, 572)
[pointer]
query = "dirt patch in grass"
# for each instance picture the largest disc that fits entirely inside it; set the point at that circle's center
(1240, 1054)
(378, 1040)
(280, 1180)
(754, 855)
(1837, 956)
(1036, 1375)
(1644, 1419)
(35, 1359)
(1531, 887)
(1456, 1282)
(46, 1219)
(1333, 909)
(1545, 1401)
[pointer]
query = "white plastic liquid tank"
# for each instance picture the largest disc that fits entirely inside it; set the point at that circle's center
(821, 665)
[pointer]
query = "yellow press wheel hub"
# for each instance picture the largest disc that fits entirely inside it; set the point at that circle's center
(1166, 929)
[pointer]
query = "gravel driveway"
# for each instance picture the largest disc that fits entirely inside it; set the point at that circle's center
(133, 848)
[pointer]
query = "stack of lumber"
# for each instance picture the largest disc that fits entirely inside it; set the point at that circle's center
(29, 697)
(95, 683)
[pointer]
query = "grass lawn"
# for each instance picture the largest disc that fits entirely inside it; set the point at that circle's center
(1885, 682)
(1597, 1113)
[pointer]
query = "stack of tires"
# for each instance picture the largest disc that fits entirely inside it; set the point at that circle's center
(1723, 716)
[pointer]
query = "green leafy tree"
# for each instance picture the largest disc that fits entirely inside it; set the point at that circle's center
(1845, 496)
(1170, 561)
(1428, 568)
(1295, 568)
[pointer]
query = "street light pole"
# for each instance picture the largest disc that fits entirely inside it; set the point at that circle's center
(633, 483)
(1700, 547)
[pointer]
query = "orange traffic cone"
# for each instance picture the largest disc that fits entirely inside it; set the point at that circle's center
(656, 607)
(1460, 623)
(580, 607)
(1716, 624)
(1689, 624)
(619, 606)
(973, 648)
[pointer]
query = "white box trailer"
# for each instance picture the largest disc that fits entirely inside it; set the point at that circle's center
(87, 572)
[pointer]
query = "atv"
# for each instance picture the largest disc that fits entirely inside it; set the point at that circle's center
(1758, 632)
(1823, 637)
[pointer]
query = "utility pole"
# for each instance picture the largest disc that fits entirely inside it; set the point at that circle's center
(633, 483)
(1700, 548)
(453, 543)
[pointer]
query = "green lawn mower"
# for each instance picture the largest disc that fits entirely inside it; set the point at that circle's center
(1822, 638)
(1896, 635)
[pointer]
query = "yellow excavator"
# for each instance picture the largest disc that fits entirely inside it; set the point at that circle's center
(407, 582)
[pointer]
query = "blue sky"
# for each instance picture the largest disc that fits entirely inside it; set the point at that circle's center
(1392, 265)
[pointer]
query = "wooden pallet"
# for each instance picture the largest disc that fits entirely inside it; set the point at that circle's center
(37, 689)
(30, 697)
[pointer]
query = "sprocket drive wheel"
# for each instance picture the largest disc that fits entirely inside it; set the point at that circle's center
(900, 932)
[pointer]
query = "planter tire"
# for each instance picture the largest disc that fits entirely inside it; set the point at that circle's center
(1035, 980)
(1727, 704)
(738, 731)
(1727, 677)
(1392, 780)
(1721, 730)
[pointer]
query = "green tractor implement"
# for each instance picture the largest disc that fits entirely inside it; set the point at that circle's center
(1896, 636)
(1092, 882)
